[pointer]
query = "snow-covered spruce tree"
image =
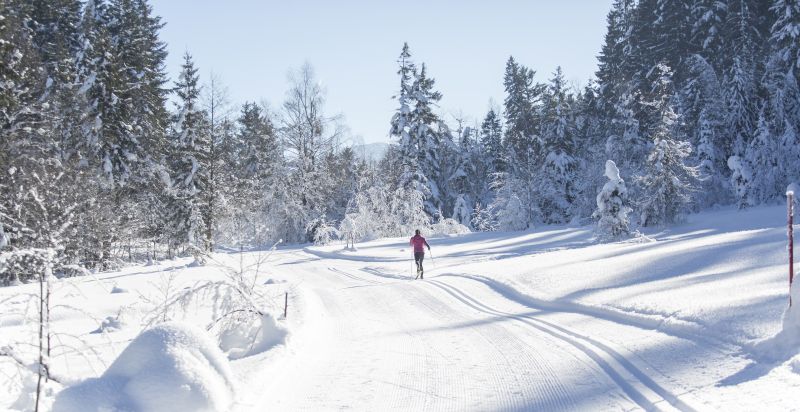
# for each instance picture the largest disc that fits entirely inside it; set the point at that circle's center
(740, 68)
(761, 157)
(668, 182)
(781, 78)
(462, 213)
(612, 211)
(741, 181)
(556, 184)
(483, 219)
(492, 141)
(784, 36)
(521, 143)
(707, 19)
(188, 163)
(477, 168)
(590, 140)
(466, 174)
(611, 60)
(702, 114)
(401, 124)
(253, 165)
(416, 128)
(429, 133)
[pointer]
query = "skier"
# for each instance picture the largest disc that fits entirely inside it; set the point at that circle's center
(419, 244)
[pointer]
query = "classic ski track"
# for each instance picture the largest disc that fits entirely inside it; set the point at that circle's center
(553, 394)
(526, 357)
(610, 361)
(354, 277)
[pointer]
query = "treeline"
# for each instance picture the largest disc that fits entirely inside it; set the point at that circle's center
(97, 166)
(103, 159)
(697, 103)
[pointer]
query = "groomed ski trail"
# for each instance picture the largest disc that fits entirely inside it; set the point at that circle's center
(378, 341)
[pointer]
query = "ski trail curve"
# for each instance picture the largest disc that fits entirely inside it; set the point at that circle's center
(637, 385)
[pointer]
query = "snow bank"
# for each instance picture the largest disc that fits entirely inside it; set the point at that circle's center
(117, 289)
(110, 324)
(250, 338)
(170, 367)
(786, 343)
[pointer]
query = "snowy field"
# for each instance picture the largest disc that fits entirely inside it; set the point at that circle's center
(548, 319)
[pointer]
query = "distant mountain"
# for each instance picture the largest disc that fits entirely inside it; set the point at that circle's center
(371, 151)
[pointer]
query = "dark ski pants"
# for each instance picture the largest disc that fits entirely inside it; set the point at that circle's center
(418, 256)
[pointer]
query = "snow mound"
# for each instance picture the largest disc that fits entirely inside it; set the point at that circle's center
(251, 337)
(787, 342)
(109, 324)
(612, 172)
(117, 289)
(794, 365)
(170, 367)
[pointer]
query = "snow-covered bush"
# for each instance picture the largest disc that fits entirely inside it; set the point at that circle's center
(461, 211)
(612, 213)
(741, 178)
(668, 184)
(170, 367)
(22, 265)
(447, 226)
(349, 231)
(252, 336)
(379, 212)
(321, 231)
(511, 214)
(482, 219)
(513, 206)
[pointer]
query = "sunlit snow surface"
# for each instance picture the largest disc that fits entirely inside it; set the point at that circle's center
(548, 319)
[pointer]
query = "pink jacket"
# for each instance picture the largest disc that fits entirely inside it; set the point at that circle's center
(419, 243)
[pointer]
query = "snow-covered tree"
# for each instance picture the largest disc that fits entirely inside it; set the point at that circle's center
(492, 141)
(741, 181)
(612, 210)
(557, 186)
(308, 135)
(188, 161)
(669, 182)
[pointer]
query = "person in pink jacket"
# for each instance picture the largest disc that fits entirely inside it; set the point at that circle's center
(419, 244)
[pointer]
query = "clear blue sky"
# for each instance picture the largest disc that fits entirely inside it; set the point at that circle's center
(353, 46)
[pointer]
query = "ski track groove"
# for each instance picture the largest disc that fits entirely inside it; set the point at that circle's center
(574, 339)
(527, 357)
(512, 389)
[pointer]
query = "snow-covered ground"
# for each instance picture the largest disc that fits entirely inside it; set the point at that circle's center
(542, 320)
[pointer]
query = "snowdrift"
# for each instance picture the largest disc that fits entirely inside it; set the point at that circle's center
(170, 367)
(252, 337)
